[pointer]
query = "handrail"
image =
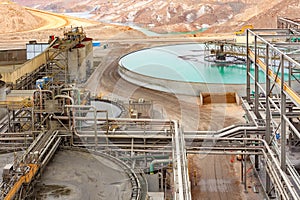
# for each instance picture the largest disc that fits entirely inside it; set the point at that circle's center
(226, 132)
(291, 93)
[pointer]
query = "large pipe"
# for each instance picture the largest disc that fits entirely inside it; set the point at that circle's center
(153, 162)
(178, 159)
(65, 97)
(95, 119)
(73, 89)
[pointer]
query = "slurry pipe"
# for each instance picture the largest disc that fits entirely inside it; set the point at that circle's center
(153, 162)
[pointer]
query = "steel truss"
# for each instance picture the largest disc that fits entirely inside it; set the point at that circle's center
(273, 100)
(283, 22)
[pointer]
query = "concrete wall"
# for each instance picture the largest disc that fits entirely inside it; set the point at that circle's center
(188, 88)
(73, 66)
(179, 87)
(12, 73)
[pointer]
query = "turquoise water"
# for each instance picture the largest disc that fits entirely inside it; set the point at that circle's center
(184, 63)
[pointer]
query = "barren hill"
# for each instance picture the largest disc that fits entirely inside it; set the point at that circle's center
(15, 18)
(21, 24)
(178, 15)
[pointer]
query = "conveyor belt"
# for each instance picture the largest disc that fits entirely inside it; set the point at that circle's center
(33, 161)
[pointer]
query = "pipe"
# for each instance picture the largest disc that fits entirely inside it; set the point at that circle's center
(73, 89)
(178, 159)
(267, 153)
(65, 97)
(153, 162)
(145, 156)
(275, 166)
(95, 120)
(72, 101)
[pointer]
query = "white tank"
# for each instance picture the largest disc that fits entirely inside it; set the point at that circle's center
(76, 65)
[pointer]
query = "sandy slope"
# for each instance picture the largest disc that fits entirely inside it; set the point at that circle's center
(31, 24)
(52, 20)
(15, 18)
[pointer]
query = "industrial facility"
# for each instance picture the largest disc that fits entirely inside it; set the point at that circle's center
(45, 109)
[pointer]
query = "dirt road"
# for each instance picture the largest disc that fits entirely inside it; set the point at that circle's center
(55, 21)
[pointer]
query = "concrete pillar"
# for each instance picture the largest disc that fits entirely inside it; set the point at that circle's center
(77, 65)
(72, 65)
(81, 64)
(89, 57)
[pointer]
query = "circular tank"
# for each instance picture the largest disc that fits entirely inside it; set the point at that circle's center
(84, 175)
(113, 109)
(182, 69)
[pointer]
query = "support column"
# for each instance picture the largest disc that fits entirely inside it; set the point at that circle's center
(256, 77)
(283, 122)
(290, 74)
(256, 103)
(248, 67)
(268, 114)
(242, 169)
(245, 174)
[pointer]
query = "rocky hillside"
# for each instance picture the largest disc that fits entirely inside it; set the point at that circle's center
(178, 15)
(15, 18)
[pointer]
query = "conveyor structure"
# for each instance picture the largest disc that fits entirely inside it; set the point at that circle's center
(63, 57)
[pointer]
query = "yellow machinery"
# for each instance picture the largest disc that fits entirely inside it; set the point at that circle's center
(242, 30)
(26, 178)
(25, 103)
